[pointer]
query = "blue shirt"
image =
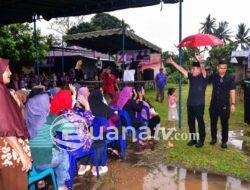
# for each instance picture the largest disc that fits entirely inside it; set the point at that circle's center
(161, 79)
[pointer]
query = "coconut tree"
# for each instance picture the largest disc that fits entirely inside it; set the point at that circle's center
(242, 36)
(208, 26)
(223, 32)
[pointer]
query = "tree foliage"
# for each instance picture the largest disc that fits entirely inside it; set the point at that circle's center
(209, 25)
(242, 36)
(221, 52)
(63, 24)
(223, 32)
(17, 43)
(101, 21)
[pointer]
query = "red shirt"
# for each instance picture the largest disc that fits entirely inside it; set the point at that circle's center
(108, 83)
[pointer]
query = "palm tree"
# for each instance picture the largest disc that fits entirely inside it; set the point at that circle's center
(222, 31)
(208, 26)
(242, 36)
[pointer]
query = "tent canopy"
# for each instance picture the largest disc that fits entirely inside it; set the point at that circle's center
(15, 11)
(241, 56)
(110, 41)
(75, 51)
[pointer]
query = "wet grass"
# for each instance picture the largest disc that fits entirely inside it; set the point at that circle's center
(209, 158)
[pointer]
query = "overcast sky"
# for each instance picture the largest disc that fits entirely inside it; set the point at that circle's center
(162, 27)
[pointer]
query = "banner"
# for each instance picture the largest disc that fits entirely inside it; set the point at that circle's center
(134, 55)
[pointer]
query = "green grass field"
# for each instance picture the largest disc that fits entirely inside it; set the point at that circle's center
(209, 158)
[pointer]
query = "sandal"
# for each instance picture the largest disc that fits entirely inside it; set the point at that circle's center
(113, 152)
(83, 169)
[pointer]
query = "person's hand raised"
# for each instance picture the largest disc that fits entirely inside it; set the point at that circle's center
(170, 60)
(72, 89)
(199, 58)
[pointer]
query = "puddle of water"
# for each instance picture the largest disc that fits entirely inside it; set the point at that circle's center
(237, 143)
(232, 138)
(175, 178)
(123, 175)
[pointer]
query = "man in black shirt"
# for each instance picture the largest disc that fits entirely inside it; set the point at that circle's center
(196, 100)
(223, 90)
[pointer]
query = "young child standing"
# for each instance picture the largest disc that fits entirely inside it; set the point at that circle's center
(172, 110)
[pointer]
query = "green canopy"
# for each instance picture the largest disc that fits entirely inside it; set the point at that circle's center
(15, 11)
(110, 41)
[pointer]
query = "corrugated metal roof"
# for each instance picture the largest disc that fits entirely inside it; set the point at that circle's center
(110, 41)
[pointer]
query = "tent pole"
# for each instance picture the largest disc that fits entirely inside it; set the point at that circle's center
(123, 43)
(62, 57)
(36, 66)
(180, 63)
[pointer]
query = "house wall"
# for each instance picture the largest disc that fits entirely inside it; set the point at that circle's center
(239, 72)
(155, 63)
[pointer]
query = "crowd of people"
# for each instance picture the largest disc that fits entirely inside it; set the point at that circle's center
(27, 116)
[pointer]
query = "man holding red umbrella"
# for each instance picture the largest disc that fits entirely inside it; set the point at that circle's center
(196, 100)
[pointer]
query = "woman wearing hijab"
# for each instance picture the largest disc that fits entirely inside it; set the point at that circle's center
(46, 154)
(128, 101)
(132, 102)
(83, 93)
(36, 111)
(100, 109)
(154, 118)
(15, 159)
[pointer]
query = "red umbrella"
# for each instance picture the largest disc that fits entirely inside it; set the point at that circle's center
(198, 40)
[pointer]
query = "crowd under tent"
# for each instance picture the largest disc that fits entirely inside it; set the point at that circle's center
(71, 55)
(117, 40)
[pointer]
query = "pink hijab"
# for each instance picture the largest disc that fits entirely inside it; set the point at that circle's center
(124, 96)
(83, 91)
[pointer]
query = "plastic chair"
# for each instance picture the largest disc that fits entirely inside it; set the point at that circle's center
(74, 155)
(100, 121)
(144, 120)
(35, 176)
(124, 120)
(124, 116)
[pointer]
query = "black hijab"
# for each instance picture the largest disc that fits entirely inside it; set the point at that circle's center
(97, 106)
